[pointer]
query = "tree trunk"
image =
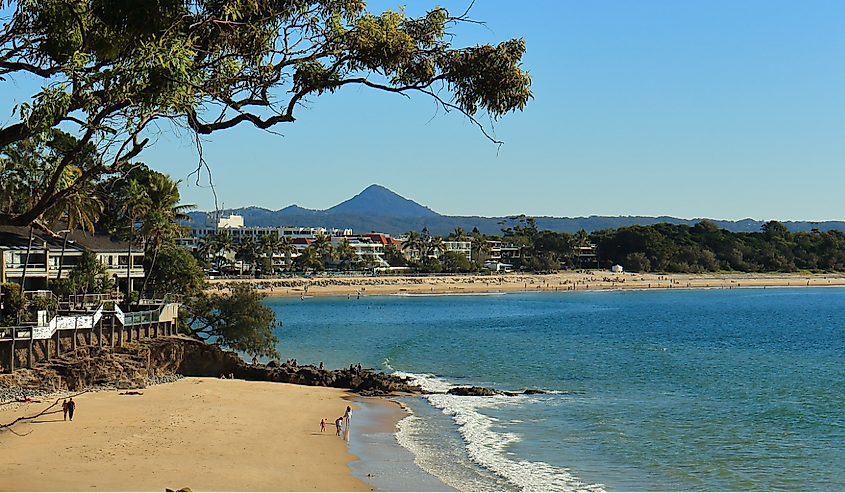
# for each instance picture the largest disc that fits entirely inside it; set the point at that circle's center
(26, 261)
(62, 256)
(129, 263)
(152, 265)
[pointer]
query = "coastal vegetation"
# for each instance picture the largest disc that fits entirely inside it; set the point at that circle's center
(707, 248)
(142, 207)
(667, 247)
(109, 76)
(662, 247)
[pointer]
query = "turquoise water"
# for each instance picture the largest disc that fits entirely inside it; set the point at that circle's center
(709, 390)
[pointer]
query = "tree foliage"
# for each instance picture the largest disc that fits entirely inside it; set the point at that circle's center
(12, 303)
(237, 320)
(109, 71)
(89, 275)
(704, 247)
(175, 271)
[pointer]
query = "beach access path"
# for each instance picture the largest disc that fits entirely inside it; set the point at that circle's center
(203, 433)
(353, 286)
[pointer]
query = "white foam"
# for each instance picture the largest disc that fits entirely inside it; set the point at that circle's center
(431, 460)
(486, 446)
(427, 381)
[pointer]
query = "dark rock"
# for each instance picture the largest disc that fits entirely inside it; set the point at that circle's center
(473, 391)
(534, 392)
(273, 364)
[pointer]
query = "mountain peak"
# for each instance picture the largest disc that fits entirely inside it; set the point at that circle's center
(377, 200)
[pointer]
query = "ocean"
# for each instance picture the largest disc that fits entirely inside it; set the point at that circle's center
(702, 389)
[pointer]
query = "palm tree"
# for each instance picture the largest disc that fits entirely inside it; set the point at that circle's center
(480, 248)
(413, 243)
(434, 246)
(135, 203)
(80, 208)
(345, 254)
(161, 223)
(287, 248)
(267, 245)
(221, 242)
(323, 246)
(307, 259)
(458, 235)
(580, 239)
(247, 252)
(204, 249)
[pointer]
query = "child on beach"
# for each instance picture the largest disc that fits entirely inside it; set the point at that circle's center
(337, 423)
(322, 425)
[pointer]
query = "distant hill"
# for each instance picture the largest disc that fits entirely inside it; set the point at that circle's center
(382, 210)
(376, 200)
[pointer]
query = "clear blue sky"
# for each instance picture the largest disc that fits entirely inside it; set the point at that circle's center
(719, 109)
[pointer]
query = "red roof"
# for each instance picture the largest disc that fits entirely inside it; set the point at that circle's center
(379, 238)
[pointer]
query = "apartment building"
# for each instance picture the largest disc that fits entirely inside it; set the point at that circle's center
(51, 257)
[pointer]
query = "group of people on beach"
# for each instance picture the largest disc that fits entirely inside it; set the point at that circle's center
(347, 416)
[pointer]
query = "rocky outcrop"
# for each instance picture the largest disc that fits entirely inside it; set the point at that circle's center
(534, 392)
(474, 391)
(139, 363)
(134, 365)
(487, 392)
(37, 378)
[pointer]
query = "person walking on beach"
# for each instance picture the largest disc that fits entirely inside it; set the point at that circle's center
(339, 426)
(322, 425)
(71, 407)
(347, 415)
(64, 408)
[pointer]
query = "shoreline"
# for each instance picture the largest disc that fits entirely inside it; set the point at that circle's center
(356, 286)
(189, 433)
(381, 461)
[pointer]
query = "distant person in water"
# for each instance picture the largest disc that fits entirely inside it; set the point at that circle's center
(64, 408)
(71, 407)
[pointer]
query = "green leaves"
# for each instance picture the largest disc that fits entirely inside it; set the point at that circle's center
(238, 320)
(113, 67)
(489, 78)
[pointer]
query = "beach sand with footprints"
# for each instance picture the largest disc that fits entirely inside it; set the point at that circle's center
(206, 434)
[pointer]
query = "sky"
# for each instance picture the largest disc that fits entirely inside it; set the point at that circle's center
(717, 109)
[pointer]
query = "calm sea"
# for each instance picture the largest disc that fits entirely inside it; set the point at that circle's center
(710, 390)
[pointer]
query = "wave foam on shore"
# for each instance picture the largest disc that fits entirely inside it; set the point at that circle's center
(485, 441)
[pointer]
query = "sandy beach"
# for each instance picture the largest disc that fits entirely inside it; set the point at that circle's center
(202, 433)
(354, 286)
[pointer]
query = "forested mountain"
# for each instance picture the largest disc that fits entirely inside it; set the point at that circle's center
(380, 209)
